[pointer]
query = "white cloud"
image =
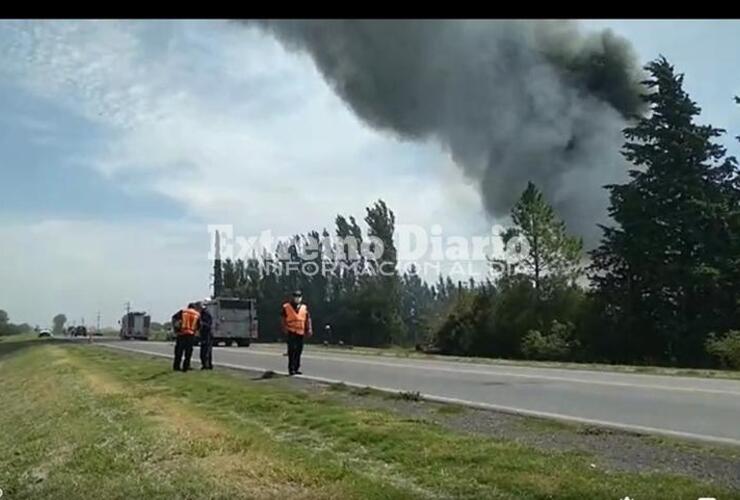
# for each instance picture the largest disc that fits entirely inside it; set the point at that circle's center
(220, 118)
(79, 267)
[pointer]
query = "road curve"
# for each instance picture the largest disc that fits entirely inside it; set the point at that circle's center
(688, 407)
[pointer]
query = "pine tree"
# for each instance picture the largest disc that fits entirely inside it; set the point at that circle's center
(659, 271)
(382, 291)
(548, 249)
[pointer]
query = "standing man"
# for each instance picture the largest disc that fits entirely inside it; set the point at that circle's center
(188, 319)
(296, 324)
(206, 338)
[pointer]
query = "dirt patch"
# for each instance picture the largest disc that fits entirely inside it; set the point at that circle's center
(179, 419)
(102, 385)
(249, 473)
(266, 481)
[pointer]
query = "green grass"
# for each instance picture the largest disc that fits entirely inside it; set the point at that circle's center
(400, 352)
(23, 337)
(81, 421)
(159, 335)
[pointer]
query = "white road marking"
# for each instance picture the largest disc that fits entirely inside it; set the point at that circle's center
(491, 373)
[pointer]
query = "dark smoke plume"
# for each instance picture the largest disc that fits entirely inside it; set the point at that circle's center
(512, 101)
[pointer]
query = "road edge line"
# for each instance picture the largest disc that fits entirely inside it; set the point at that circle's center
(474, 404)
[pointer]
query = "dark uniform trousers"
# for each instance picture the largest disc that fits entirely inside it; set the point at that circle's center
(206, 350)
(183, 345)
(295, 348)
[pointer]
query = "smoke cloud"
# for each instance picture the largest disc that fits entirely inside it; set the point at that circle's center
(512, 101)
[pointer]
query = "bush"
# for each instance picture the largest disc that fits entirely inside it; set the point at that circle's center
(558, 344)
(455, 334)
(494, 323)
(726, 349)
(466, 331)
(409, 396)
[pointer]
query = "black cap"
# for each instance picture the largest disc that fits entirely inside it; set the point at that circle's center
(297, 293)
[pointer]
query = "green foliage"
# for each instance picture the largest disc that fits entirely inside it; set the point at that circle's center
(363, 300)
(557, 344)
(537, 291)
(59, 321)
(7, 328)
(459, 331)
(726, 349)
(549, 250)
(495, 321)
(667, 272)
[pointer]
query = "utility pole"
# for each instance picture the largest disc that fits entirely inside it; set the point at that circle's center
(125, 320)
(97, 326)
(218, 279)
(413, 322)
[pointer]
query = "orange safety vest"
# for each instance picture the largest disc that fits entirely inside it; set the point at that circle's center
(190, 319)
(295, 321)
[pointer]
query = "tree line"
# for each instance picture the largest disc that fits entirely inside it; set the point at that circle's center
(662, 286)
(8, 328)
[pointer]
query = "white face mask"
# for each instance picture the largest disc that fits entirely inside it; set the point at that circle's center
(297, 300)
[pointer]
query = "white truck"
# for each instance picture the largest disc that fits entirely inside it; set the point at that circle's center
(135, 325)
(234, 320)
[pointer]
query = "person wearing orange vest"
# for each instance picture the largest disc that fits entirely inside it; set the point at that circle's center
(296, 322)
(188, 320)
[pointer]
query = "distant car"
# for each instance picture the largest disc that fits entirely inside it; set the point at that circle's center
(45, 333)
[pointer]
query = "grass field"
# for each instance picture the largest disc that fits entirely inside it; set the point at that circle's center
(80, 421)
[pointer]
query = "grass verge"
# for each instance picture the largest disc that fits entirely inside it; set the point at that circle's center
(81, 421)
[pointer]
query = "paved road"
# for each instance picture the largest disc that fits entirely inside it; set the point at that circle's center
(699, 408)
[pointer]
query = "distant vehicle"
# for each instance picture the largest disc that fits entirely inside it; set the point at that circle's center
(45, 333)
(135, 325)
(234, 320)
(76, 331)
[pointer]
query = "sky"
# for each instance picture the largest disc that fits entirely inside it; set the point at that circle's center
(121, 141)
